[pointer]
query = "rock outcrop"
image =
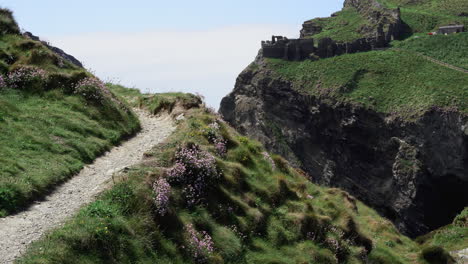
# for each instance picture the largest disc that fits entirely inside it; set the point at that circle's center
(414, 173)
(56, 50)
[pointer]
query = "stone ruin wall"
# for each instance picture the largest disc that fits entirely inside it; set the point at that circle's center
(387, 27)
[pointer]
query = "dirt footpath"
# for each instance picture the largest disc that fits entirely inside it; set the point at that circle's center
(18, 231)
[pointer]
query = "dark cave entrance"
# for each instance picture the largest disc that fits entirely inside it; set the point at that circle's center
(446, 198)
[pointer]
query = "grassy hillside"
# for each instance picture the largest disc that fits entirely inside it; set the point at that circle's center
(209, 195)
(54, 118)
(394, 82)
(452, 237)
(452, 49)
(428, 15)
(344, 27)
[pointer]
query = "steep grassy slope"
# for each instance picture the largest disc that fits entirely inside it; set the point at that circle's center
(451, 237)
(452, 49)
(232, 203)
(428, 15)
(343, 27)
(54, 118)
(394, 82)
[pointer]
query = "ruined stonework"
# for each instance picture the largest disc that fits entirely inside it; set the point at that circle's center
(288, 49)
(384, 26)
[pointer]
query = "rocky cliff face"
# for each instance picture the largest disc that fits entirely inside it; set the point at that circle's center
(416, 174)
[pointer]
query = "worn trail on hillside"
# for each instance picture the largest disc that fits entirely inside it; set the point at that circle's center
(18, 231)
(441, 63)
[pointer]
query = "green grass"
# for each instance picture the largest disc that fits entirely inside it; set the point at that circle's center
(255, 213)
(428, 15)
(47, 131)
(344, 27)
(452, 49)
(155, 103)
(45, 139)
(8, 24)
(393, 82)
(452, 237)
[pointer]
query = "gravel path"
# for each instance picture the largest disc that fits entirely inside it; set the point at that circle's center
(18, 231)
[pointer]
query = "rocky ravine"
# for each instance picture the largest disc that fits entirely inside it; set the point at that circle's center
(18, 231)
(416, 174)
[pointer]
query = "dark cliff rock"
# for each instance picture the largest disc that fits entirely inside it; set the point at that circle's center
(56, 50)
(416, 174)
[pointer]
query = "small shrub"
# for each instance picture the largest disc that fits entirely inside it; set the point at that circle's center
(100, 209)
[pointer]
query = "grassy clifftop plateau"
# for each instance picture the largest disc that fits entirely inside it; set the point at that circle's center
(400, 83)
(210, 195)
(451, 49)
(428, 15)
(54, 118)
(344, 26)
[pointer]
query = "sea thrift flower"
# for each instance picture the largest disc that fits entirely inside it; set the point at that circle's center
(216, 138)
(194, 169)
(200, 243)
(2, 82)
(214, 126)
(268, 158)
(220, 146)
(24, 76)
(162, 191)
(177, 171)
(91, 88)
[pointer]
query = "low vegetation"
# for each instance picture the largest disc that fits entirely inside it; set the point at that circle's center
(345, 26)
(452, 237)
(428, 15)
(155, 103)
(209, 195)
(451, 49)
(54, 118)
(400, 83)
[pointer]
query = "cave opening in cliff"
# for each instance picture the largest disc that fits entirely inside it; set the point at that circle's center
(446, 199)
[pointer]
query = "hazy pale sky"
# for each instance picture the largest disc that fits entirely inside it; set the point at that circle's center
(159, 46)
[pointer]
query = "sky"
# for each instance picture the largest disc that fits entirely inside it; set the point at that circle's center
(167, 46)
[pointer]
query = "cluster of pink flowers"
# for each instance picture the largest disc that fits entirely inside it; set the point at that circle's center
(194, 169)
(268, 158)
(217, 139)
(91, 88)
(162, 191)
(24, 75)
(220, 146)
(2, 82)
(200, 243)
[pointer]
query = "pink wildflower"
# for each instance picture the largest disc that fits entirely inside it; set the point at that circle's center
(162, 191)
(200, 243)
